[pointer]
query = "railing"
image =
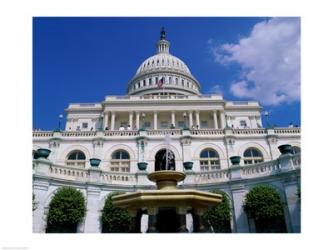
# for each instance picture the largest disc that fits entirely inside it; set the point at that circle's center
(245, 131)
(118, 178)
(121, 133)
(69, 173)
(287, 130)
(212, 176)
(163, 132)
(260, 169)
(78, 133)
(207, 132)
(42, 133)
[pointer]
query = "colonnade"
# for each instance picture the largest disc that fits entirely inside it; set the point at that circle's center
(190, 118)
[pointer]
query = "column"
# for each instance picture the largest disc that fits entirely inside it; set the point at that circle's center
(173, 118)
(152, 219)
(113, 116)
(190, 119)
(197, 118)
(259, 122)
(106, 117)
(130, 119)
(215, 120)
(292, 192)
(155, 120)
(91, 223)
(198, 222)
(137, 120)
(40, 189)
(222, 119)
(181, 213)
(241, 224)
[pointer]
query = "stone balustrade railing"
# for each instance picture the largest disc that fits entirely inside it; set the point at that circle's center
(212, 176)
(206, 132)
(269, 168)
(260, 169)
(163, 132)
(78, 133)
(247, 131)
(287, 130)
(118, 178)
(68, 173)
(121, 133)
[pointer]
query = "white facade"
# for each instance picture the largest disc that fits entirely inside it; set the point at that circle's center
(100, 130)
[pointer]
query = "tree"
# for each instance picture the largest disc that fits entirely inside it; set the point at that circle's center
(263, 204)
(114, 219)
(66, 210)
(219, 216)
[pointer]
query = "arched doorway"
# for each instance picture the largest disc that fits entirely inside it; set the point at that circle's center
(162, 162)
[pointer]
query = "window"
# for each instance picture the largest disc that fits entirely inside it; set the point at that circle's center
(164, 124)
(120, 161)
(252, 156)
(150, 81)
(85, 125)
(181, 124)
(296, 150)
(176, 81)
(204, 124)
(242, 123)
(76, 158)
(170, 80)
(156, 80)
(209, 160)
(147, 125)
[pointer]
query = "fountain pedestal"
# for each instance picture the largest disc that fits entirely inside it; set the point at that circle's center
(168, 200)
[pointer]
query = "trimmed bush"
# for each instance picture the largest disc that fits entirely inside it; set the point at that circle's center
(263, 204)
(219, 216)
(66, 210)
(114, 219)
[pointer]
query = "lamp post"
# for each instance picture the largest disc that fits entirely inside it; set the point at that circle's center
(267, 122)
(59, 124)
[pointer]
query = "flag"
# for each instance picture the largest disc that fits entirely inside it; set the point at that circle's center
(160, 83)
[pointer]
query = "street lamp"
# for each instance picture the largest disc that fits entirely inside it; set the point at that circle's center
(267, 122)
(59, 124)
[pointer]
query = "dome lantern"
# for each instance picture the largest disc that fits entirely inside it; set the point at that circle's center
(163, 45)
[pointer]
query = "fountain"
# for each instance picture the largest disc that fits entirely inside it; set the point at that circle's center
(167, 206)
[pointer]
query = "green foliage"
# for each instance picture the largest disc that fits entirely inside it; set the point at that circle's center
(220, 215)
(114, 219)
(263, 202)
(66, 210)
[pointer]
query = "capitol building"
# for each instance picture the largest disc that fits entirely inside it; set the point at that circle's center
(166, 123)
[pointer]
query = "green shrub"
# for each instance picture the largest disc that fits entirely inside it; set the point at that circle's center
(66, 210)
(114, 219)
(263, 203)
(219, 216)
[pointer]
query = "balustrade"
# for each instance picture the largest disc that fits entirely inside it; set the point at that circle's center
(164, 132)
(260, 169)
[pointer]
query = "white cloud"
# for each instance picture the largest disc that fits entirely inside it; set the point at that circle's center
(270, 61)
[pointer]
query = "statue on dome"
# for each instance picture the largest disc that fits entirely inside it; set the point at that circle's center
(163, 36)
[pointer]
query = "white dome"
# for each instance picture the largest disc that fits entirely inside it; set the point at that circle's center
(163, 62)
(163, 69)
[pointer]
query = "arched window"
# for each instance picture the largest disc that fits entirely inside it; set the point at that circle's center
(120, 161)
(252, 156)
(209, 160)
(76, 158)
(296, 150)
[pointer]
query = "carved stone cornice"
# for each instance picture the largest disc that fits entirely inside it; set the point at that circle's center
(185, 141)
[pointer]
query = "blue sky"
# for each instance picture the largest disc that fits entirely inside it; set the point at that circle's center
(84, 59)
